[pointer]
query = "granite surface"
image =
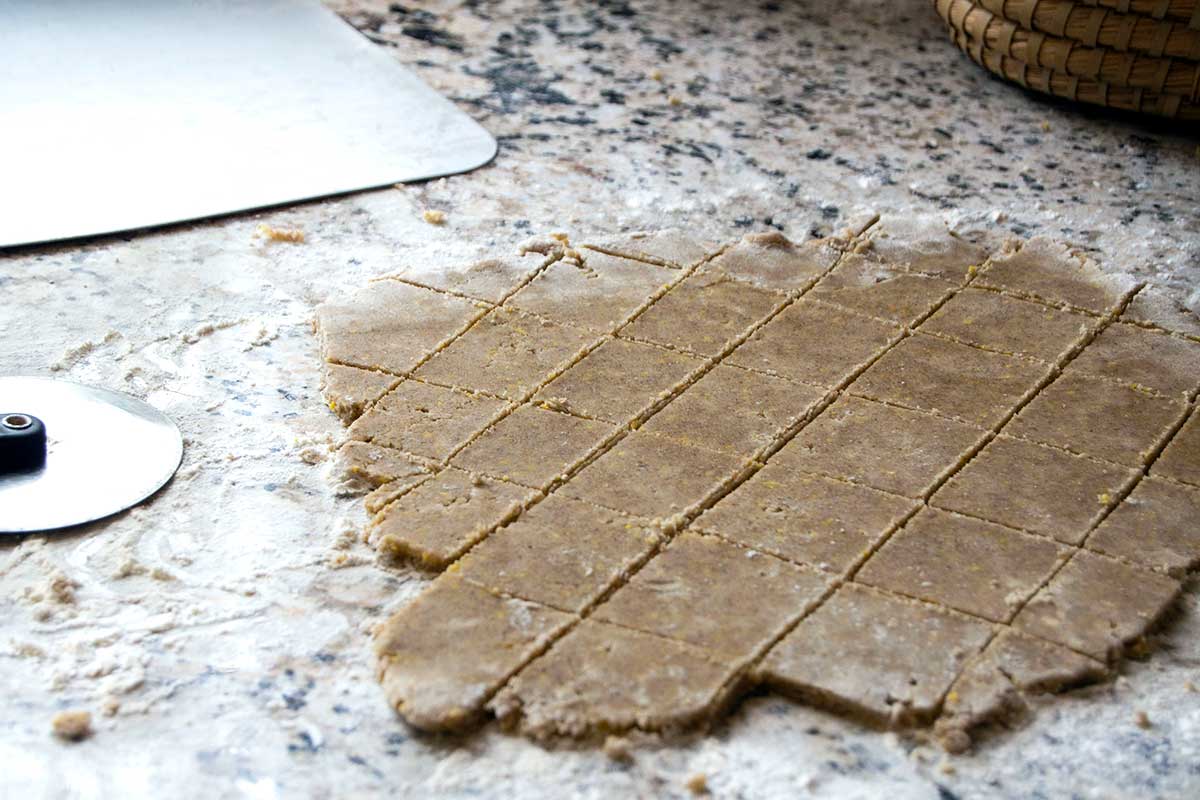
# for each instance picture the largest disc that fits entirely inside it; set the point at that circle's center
(218, 633)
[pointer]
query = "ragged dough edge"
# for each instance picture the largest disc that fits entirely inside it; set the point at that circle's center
(444, 711)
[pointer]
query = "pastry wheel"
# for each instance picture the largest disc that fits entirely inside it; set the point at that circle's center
(71, 454)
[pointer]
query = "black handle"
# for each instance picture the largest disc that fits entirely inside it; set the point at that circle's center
(22, 442)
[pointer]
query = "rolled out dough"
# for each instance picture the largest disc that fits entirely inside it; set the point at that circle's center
(891, 473)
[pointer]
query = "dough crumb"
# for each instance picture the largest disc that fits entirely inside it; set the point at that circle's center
(697, 784)
(1142, 720)
(272, 234)
(954, 740)
(433, 216)
(72, 726)
(617, 748)
(1045, 126)
(675, 101)
(768, 239)
(61, 589)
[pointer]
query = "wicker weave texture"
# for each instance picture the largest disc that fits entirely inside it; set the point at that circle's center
(1054, 54)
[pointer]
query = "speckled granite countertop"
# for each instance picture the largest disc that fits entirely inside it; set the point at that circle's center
(222, 652)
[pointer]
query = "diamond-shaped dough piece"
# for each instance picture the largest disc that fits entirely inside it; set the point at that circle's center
(881, 446)
(391, 326)
(1098, 417)
(771, 261)
(1158, 307)
(869, 286)
(564, 553)
(734, 410)
(439, 520)
(1131, 354)
(605, 679)
(491, 278)
(925, 247)
(1155, 526)
(1047, 270)
(1181, 458)
(1008, 324)
(814, 343)
(876, 656)
(653, 477)
(702, 314)
(951, 379)
(369, 465)
(426, 420)
(349, 390)
(811, 519)
(1034, 488)
(1097, 605)
(491, 638)
(618, 379)
(714, 595)
(1011, 668)
(671, 248)
(507, 353)
(532, 446)
(967, 564)
(598, 294)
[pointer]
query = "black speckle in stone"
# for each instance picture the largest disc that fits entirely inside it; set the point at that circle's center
(305, 745)
(830, 212)
(324, 657)
(613, 96)
(818, 154)
(518, 82)
(744, 222)
(341, 709)
(945, 794)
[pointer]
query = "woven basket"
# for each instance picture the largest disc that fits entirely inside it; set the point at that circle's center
(1083, 51)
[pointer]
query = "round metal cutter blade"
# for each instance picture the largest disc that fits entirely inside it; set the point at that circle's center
(105, 451)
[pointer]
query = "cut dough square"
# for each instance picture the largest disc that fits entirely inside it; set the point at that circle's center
(996, 321)
(653, 477)
(951, 379)
(1047, 270)
(877, 656)
(770, 261)
(439, 520)
(532, 446)
(426, 420)
(734, 410)
(1131, 354)
(1097, 605)
(618, 379)
(868, 286)
(391, 326)
(811, 519)
(605, 679)
(703, 314)
(814, 343)
(1181, 458)
(507, 353)
(929, 249)
(1013, 666)
(881, 446)
(709, 593)
(671, 248)
(492, 278)
(371, 465)
(491, 636)
(1034, 488)
(598, 294)
(349, 390)
(1154, 306)
(1098, 417)
(564, 553)
(1155, 526)
(964, 563)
